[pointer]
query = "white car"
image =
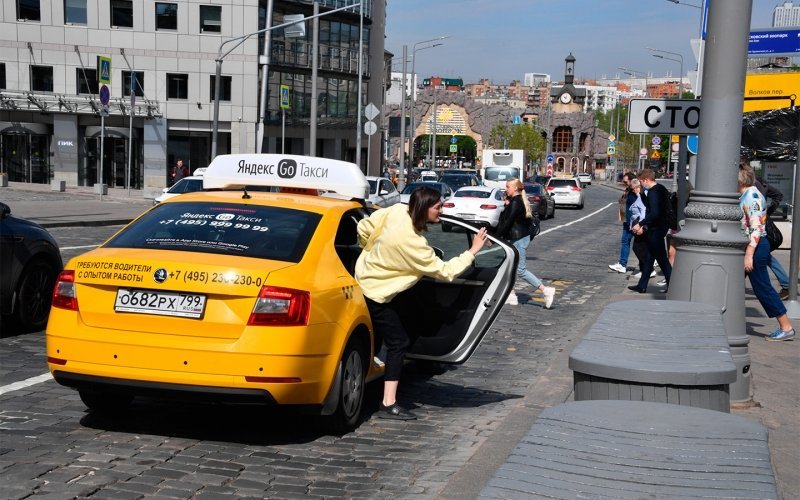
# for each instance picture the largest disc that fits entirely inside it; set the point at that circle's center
(382, 192)
(443, 188)
(566, 191)
(585, 178)
(188, 184)
(477, 204)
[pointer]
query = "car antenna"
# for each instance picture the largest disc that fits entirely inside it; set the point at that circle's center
(245, 196)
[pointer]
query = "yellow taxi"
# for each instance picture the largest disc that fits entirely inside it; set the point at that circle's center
(244, 292)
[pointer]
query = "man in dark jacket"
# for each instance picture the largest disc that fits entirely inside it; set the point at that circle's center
(654, 226)
(774, 197)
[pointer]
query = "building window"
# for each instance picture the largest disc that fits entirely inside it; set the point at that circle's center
(2, 75)
(210, 19)
(74, 11)
(224, 90)
(86, 81)
(28, 10)
(177, 86)
(42, 78)
(562, 139)
(166, 16)
(126, 83)
(121, 13)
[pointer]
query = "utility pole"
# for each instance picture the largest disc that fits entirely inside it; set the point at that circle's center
(710, 247)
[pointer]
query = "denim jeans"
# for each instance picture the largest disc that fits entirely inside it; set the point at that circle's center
(759, 280)
(625, 244)
(779, 272)
(522, 271)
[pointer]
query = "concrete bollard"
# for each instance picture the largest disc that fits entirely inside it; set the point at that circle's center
(60, 186)
(101, 189)
(3, 179)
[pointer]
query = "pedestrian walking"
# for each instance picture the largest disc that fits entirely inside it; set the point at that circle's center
(625, 202)
(179, 171)
(757, 256)
(654, 226)
(637, 212)
(395, 257)
(514, 225)
(774, 197)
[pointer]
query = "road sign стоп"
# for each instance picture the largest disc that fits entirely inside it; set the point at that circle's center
(661, 116)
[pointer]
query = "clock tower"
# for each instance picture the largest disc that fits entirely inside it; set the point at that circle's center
(568, 99)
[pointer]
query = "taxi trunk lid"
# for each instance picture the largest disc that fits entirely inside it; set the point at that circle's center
(170, 293)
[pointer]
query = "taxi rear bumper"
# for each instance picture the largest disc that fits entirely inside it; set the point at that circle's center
(165, 390)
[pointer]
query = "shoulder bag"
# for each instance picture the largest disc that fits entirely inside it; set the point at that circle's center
(774, 235)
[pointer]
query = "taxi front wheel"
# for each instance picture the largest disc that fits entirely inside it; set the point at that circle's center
(105, 402)
(351, 395)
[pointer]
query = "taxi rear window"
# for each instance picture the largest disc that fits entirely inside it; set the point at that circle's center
(274, 233)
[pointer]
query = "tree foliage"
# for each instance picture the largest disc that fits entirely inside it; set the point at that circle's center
(523, 136)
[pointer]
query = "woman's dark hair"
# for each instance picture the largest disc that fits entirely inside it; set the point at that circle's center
(422, 198)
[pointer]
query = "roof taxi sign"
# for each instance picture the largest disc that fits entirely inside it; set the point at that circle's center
(286, 171)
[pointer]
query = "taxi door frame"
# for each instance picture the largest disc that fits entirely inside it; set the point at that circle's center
(490, 304)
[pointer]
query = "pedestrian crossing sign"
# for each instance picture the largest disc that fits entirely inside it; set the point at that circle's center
(285, 97)
(104, 70)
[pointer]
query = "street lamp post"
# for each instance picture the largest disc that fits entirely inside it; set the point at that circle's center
(414, 50)
(632, 72)
(414, 93)
(240, 40)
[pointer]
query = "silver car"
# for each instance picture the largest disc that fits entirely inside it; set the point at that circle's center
(382, 192)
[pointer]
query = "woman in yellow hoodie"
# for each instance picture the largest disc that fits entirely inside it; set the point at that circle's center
(395, 257)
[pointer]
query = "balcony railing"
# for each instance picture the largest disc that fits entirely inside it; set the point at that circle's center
(47, 102)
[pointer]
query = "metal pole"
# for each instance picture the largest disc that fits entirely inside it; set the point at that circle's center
(360, 78)
(262, 105)
(792, 305)
(431, 158)
(130, 133)
(708, 264)
(283, 129)
(102, 148)
(435, 124)
(217, 78)
(312, 138)
(401, 180)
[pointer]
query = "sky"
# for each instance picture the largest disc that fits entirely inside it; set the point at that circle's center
(503, 39)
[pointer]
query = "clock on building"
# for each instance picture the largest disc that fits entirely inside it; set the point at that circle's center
(565, 98)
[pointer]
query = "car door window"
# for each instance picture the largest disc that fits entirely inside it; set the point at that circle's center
(346, 240)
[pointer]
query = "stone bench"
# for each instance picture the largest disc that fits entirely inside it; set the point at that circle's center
(635, 449)
(656, 350)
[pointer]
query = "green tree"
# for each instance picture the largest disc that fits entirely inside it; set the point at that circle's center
(523, 136)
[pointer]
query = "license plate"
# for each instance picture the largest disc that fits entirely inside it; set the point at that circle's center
(466, 216)
(187, 305)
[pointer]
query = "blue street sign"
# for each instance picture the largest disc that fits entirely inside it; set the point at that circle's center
(453, 140)
(691, 143)
(105, 95)
(550, 157)
(774, 42)
(516, 120)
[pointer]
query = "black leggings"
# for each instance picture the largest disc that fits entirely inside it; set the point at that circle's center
(390, 330)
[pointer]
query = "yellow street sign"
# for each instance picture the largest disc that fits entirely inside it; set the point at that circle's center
(773, 85)
(655, 155)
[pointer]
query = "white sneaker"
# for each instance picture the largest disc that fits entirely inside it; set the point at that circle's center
(639, 274)
(662, 282)
(549, 294)
(617, 267)
(511, 300)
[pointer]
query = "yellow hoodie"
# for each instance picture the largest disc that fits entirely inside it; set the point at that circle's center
(398, 256)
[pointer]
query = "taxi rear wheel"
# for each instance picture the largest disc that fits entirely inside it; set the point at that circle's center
(105, 402)
(351, 395)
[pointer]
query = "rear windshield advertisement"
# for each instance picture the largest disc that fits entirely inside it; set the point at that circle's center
(273, 233)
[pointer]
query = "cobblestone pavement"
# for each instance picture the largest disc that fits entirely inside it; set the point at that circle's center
(50, 445)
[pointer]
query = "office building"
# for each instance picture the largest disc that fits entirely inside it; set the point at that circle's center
(160, 67)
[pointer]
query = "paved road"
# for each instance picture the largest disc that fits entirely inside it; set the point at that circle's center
(471, 416)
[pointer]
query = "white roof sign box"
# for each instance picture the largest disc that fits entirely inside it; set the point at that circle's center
(291, 171)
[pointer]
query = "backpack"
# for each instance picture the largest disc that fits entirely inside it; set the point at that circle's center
(672, 211)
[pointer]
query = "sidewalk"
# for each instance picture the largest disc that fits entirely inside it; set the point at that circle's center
(77, 206)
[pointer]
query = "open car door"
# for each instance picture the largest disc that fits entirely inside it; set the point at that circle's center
(452, 318)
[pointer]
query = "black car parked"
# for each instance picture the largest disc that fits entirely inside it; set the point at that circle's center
(30, 262)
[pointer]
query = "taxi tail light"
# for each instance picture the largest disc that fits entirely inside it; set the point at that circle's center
(550, 188)
(489, 207)
(448, 204)
(575, 188)
(281, 307)
(64, 296)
